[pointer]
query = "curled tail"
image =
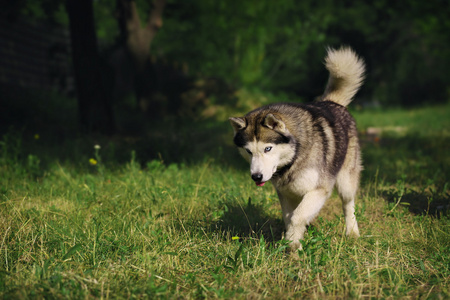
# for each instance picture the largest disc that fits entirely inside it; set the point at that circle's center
(346, 75)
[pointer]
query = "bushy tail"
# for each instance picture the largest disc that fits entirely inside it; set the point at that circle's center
(346, 75)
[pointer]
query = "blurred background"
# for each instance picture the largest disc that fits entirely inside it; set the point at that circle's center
(164, 68)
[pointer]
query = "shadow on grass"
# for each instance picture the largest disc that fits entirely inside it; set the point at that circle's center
(421, 160)
(249, 221)
(171, 142)
(417, 167)
(421, 203)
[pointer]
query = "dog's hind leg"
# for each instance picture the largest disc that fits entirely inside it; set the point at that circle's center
(347, 185)
(348, 205)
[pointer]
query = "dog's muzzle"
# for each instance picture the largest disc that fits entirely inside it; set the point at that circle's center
(257, 178)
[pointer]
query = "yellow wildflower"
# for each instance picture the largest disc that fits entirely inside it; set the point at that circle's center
(92, 161)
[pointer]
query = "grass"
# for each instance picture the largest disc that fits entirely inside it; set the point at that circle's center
(151, 218)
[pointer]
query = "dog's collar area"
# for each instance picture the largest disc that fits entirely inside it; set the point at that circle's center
(282, 171)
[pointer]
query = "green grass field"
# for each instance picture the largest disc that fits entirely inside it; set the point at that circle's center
(175, 214)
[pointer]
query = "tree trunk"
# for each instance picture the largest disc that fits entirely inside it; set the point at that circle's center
(93, 80)
(138, 39)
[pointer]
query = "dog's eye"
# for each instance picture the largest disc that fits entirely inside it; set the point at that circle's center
(248, 151)
(267, 149)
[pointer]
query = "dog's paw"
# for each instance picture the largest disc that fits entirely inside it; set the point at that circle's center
(353, 232)
(295, 245)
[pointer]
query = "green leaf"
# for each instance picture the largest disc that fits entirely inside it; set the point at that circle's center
(72, 251)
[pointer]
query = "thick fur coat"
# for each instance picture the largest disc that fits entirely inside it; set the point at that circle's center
(306, 150)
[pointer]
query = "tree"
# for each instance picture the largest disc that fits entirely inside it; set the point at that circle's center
(138, 40)
(93, 81)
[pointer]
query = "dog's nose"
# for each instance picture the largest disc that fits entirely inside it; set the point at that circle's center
(257, 177)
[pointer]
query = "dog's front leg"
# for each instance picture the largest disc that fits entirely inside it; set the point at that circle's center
(297, 215)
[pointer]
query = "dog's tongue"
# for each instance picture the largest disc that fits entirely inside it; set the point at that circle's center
(260, 183)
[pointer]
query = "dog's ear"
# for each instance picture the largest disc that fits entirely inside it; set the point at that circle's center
(272, 122)
(238, 123)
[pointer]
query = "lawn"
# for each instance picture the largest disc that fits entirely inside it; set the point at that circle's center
(174, 214)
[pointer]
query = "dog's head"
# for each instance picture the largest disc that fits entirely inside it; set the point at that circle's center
(265, 142)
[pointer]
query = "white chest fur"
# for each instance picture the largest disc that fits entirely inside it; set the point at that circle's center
(304, 181)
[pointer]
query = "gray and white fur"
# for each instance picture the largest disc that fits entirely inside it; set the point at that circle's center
(306, 150)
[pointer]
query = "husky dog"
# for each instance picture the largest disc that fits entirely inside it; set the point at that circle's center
(307, 149)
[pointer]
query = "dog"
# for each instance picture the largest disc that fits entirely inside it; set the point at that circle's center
(306, 150)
